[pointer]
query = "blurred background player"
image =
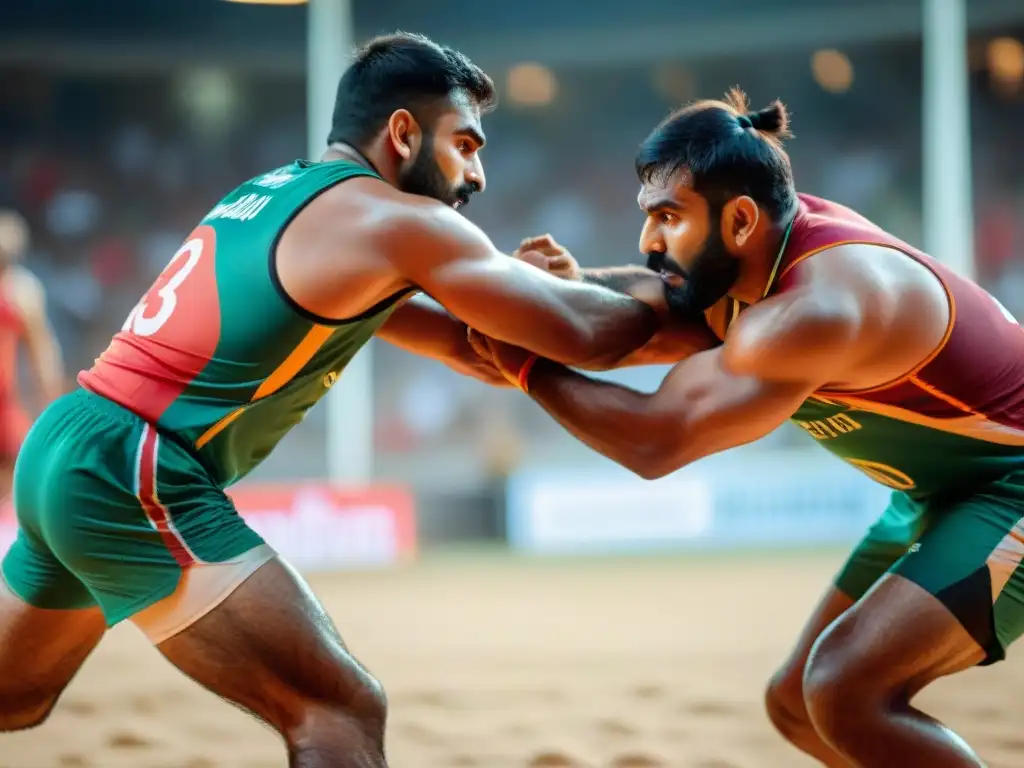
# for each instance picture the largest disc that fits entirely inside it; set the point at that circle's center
(23, 323)
(888, 359)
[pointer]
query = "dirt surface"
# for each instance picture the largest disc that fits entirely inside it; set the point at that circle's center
(498, 662)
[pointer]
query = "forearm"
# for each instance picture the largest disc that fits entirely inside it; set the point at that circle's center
(698, 410)
(615, 327)
(607, 417)
(571, 322)
(677, 340)
(508, 300)
(423, 327)
(624, 279)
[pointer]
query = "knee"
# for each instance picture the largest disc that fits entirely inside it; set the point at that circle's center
(22, 712)
(355, 716)
(784, 703)
(370, 705)
(840, 696)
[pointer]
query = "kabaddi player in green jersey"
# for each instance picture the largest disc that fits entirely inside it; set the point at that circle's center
(888, 359)
(119, 488)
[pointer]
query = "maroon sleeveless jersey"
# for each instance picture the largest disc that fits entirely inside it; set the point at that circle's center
(958, 417)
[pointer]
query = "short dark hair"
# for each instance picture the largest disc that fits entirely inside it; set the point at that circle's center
(402, 71)
(727, 150)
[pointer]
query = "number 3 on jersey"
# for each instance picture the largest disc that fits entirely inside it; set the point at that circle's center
(158, 306)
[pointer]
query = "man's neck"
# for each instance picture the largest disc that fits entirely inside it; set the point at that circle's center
(764, 264)
(343, 151)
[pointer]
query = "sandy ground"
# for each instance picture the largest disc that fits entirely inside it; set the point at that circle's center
(503, 662)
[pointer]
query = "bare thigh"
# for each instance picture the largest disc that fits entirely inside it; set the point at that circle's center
(832, 605)
(271, 649)
(897, 639)
(40, 652)
(873, 556)
(784, 698)
(868, 665)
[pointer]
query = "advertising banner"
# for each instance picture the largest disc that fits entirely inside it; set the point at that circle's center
(314, 525)
(730, 501)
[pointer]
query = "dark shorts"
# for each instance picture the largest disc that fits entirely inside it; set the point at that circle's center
(966, 551)
(110, 512)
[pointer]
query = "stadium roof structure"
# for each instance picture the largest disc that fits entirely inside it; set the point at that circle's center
(155, 34)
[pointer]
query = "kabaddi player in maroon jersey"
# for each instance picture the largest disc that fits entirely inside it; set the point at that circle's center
(885, 357)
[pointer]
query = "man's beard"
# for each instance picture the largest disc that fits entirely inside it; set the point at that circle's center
(424, 177)
(707, 280)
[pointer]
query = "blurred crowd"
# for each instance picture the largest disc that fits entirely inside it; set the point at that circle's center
(112, 173)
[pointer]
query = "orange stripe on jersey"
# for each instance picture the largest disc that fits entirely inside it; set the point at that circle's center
(824, 400)
(295, 362)
(972, 425)
(945, 397)
(1004, 560)
(219, 427)
(285, 372)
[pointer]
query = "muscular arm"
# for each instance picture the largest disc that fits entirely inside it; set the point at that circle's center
(456, 264)
(43, 350)
(714, 400)
(677, 339)
(625, 279)
(424, 327)
(854, 316)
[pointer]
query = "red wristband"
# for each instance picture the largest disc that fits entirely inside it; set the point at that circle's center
(524, 373)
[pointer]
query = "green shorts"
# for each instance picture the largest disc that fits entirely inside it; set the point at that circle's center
(111, 511)
(964, 550)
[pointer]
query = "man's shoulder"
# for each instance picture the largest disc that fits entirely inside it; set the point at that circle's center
(370, 202)
(843, 265)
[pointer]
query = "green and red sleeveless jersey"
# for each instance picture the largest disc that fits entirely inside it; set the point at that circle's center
(957, 419)
(216, 354)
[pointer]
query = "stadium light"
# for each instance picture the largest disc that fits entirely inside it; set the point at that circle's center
(1005, 57)
(531, 85)
(832, 70)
